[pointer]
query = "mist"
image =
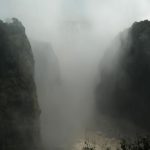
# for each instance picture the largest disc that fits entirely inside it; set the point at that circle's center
(77, 34)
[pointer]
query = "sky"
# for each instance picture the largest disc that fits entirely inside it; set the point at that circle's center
(43, 19)
(42, 16)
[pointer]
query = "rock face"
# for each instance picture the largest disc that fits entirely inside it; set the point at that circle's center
(124, 86)
(19, 109)
(47, 72)
(49, 84)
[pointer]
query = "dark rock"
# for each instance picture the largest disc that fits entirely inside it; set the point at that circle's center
(49, 84)
(124, 86)
(19, 109)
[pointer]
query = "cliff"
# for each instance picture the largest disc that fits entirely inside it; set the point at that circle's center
(123, 91)
(49, 88)
(19, 109)
(47, 71)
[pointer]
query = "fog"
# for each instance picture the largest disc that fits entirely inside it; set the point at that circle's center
(79, 32)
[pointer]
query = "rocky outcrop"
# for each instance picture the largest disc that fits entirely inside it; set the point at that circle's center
(47, 71)
(19, 109)
(48, 81)
(124, 86)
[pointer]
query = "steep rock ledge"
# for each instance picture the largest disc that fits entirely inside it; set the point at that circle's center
(19, 109)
